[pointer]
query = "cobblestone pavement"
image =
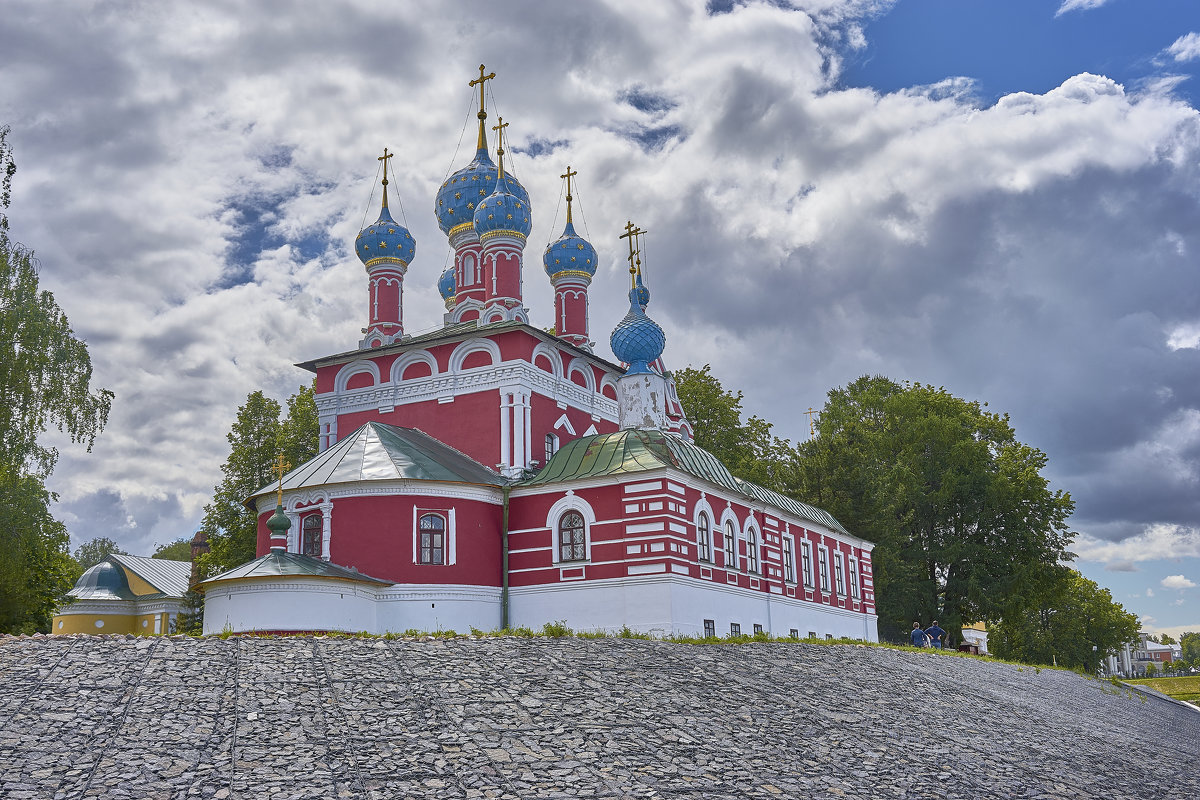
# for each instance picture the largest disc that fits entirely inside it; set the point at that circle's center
(611, 718)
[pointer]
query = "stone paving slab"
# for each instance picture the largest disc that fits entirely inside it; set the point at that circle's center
(246, 717)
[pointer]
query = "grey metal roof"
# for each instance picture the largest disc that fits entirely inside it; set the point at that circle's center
(278, 563)
(634, 450)
(169, 577)
(380, 452)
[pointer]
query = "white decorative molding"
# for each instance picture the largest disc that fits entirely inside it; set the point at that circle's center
(356, 368)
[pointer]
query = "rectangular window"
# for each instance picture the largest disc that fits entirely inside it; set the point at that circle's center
(789, 561)
(837, 574)
(757, 629)
(752, 551)
(730, 547)
(431, 542)
(710, 629)
(703, 539)
(806, 555)
(735, 629)
(794, 633)
(551, 445)
(854, 578)
(823, 561)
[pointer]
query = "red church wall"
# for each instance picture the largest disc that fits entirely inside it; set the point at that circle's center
(470, 423)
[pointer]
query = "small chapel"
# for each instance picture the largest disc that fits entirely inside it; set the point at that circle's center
(491, 474)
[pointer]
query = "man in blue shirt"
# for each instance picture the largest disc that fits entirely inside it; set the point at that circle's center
(936, 635)
(918, 636)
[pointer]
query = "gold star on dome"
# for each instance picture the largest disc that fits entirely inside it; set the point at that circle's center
(580, 246)
(383, 245)
(391, 230)
(481, 193)
(458, 195)
(490, 216)
(556, 261)
(470, 205)
(450, 211)
(519, 205)
(509, 216)
(473, 177)
(572, 258)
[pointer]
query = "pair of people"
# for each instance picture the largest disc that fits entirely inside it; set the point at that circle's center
(933, 636)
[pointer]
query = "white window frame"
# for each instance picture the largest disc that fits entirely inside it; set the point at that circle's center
(752, 552)
(570, 502)
(789, 558)
(552, 445)
(807, 563)
(729, 538)
(823, 566)
(449, 547)
(854, 590)
(839, 573)
(704, 545)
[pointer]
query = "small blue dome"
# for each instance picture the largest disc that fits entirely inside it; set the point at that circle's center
(385, 238)
(505, 209)
(463, 191)
(446, 283)
(570, 253)
(637, 340)
(643, 294)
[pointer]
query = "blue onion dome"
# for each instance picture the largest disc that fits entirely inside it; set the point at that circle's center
(637, 340)
(463, 191)
(643, 294)
(446, 284)
(385, 239)
(505, 210)
(570, 253)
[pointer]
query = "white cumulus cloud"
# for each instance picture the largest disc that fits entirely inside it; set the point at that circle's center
(1154, 543)
(1177, 582)
(1078, 5)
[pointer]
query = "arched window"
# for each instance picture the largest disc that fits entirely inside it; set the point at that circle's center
(468, 270)
(703, 538)
(310, 540)
(431, 549)
(752, 550)
(551, 445)
(730, 546)
(571, 537)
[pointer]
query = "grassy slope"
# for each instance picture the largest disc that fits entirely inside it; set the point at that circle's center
(1185, 688)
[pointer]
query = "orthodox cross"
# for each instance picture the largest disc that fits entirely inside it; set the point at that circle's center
(482, 113)
(631, 233)
(499, 129)
(279, 468)
(812, 430)
(384, 158)
(568, 176)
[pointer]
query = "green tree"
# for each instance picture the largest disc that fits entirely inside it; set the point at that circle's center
(1151, 668)
(45, 380)
(1165, 638)
(178, 550)
(257, 438)
(1075, 625)
(965, 526)
(91, 553)
(749, 449)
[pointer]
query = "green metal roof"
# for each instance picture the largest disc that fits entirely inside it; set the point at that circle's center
(277, 564)
(107, 580)
(380, 452)
(634, 450)
(103, 581)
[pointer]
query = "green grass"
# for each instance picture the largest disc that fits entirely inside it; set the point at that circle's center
(1184, 688)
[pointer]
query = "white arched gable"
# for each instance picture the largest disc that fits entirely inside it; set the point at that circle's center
(474, 346)
(703, 505)
(608, 380)
(570, 502)
(728, 516)
(544, 349)
(580, 365)
(355, 368)
(413, 357)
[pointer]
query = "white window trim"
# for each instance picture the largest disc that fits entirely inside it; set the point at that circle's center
(787, 556)
(839, 570)
(449, 547)
(570, 502)
(754, 564)
(808, 576)
(702, 506)
(855, 579)
(822, 575)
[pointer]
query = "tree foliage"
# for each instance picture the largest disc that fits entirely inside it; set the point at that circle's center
(965, 525)
(178, 550)
(257, 438)
(1076, 624)
(92, 552)
(749, 449)
(1189, 644)
(45, 380)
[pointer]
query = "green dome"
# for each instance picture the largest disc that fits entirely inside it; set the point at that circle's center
(279, 523)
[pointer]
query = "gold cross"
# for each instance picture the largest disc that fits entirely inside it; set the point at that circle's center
(812, 430)
(479, 82)
(631, 234)
(384, 158)
(279, 468)
(499, 129)
(569, 174)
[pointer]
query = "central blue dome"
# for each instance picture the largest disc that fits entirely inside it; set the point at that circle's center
(570, 253)
(505, 209)
(637, 340)
(463, 191)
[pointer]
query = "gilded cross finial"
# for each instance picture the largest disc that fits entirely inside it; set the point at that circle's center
(568, 175)
(812, 428)
(499, 129)
(638, 234)
(482, 113)
(384, 158)
(280, 467)
(631, 234)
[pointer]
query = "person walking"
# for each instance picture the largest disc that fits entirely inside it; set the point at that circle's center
(918, 636)
(937, 636)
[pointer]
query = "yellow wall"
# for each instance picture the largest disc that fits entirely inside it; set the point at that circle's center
(136, 584)
(86, 623)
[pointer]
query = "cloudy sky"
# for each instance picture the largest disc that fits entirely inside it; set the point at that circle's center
(999, 198)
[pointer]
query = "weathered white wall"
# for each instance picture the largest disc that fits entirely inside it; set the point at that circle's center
(290, 605)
